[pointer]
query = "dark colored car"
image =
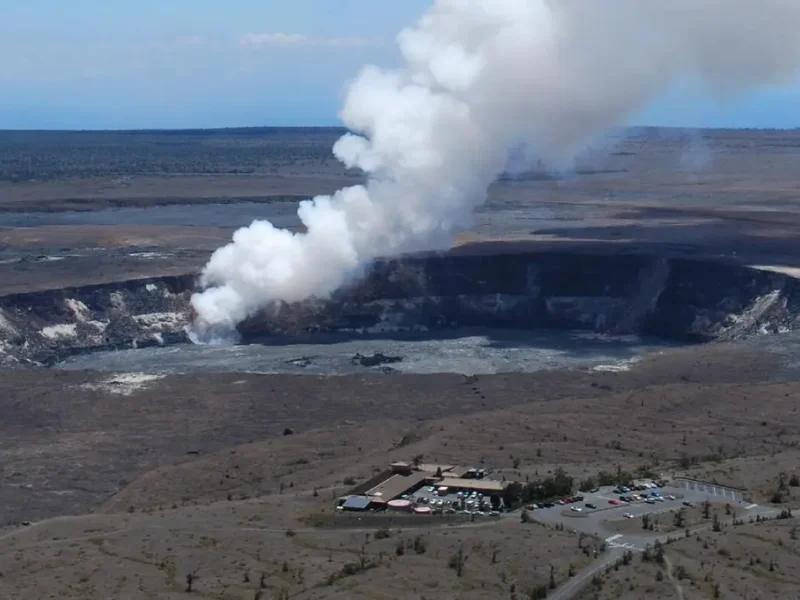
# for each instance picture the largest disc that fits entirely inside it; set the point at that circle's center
(590, 505)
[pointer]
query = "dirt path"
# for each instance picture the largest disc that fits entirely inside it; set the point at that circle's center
(86, 521)
(675, 583)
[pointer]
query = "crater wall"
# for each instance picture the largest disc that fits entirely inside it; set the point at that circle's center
(677, 299)
(672, 298)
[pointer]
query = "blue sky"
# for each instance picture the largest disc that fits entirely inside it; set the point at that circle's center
(96, 64)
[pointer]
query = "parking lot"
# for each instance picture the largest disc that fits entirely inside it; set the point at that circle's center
(472, 502)
(716, 493)
(609, 508)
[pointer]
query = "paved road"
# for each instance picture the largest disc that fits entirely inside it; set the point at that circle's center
(597, 522)
(574, 585)
(618, 544)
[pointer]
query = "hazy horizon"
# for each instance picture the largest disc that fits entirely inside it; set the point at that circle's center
(344, 129)
(91, 65)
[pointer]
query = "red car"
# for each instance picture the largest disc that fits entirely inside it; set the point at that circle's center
(614, 502)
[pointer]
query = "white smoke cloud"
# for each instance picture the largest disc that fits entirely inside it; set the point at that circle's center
(482, 76)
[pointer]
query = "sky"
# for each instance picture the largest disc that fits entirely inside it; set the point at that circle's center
(132, 64)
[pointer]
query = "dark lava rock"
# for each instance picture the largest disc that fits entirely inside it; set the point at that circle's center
(375, 359)
(303, 361)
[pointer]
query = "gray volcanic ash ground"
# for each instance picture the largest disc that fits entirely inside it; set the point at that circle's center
(461, 351)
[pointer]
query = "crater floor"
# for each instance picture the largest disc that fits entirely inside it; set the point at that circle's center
(468, 351)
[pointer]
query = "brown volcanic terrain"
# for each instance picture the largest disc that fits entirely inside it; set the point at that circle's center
(184, 490)
(164, 477)
(708, 193)
(756, 561)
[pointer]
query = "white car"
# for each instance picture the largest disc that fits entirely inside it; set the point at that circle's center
(671, 497)
(628, 515)
(576, 508)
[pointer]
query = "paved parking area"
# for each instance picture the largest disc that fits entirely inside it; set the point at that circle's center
(715, 493)
(597, 521)
(429, 496)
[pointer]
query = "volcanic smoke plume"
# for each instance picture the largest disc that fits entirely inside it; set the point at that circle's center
(481, 76)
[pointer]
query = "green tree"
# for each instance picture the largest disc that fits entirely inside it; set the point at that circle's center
(420, 545)
(658, 552)
(680, 518)
(457, 561)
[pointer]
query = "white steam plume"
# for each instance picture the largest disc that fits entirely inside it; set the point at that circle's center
(481, 76)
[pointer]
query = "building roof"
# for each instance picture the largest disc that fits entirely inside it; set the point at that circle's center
(357, 503)
(397, 485)
(457, 472)
(432, 468)
(486, 485)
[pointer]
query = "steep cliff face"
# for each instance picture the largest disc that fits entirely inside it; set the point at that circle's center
(676, 299)
(43, 327)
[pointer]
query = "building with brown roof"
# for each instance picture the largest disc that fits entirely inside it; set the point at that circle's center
(398, 484)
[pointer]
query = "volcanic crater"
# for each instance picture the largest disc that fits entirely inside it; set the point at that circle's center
(679, 300)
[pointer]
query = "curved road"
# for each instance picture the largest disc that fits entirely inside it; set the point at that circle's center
(573, 586)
